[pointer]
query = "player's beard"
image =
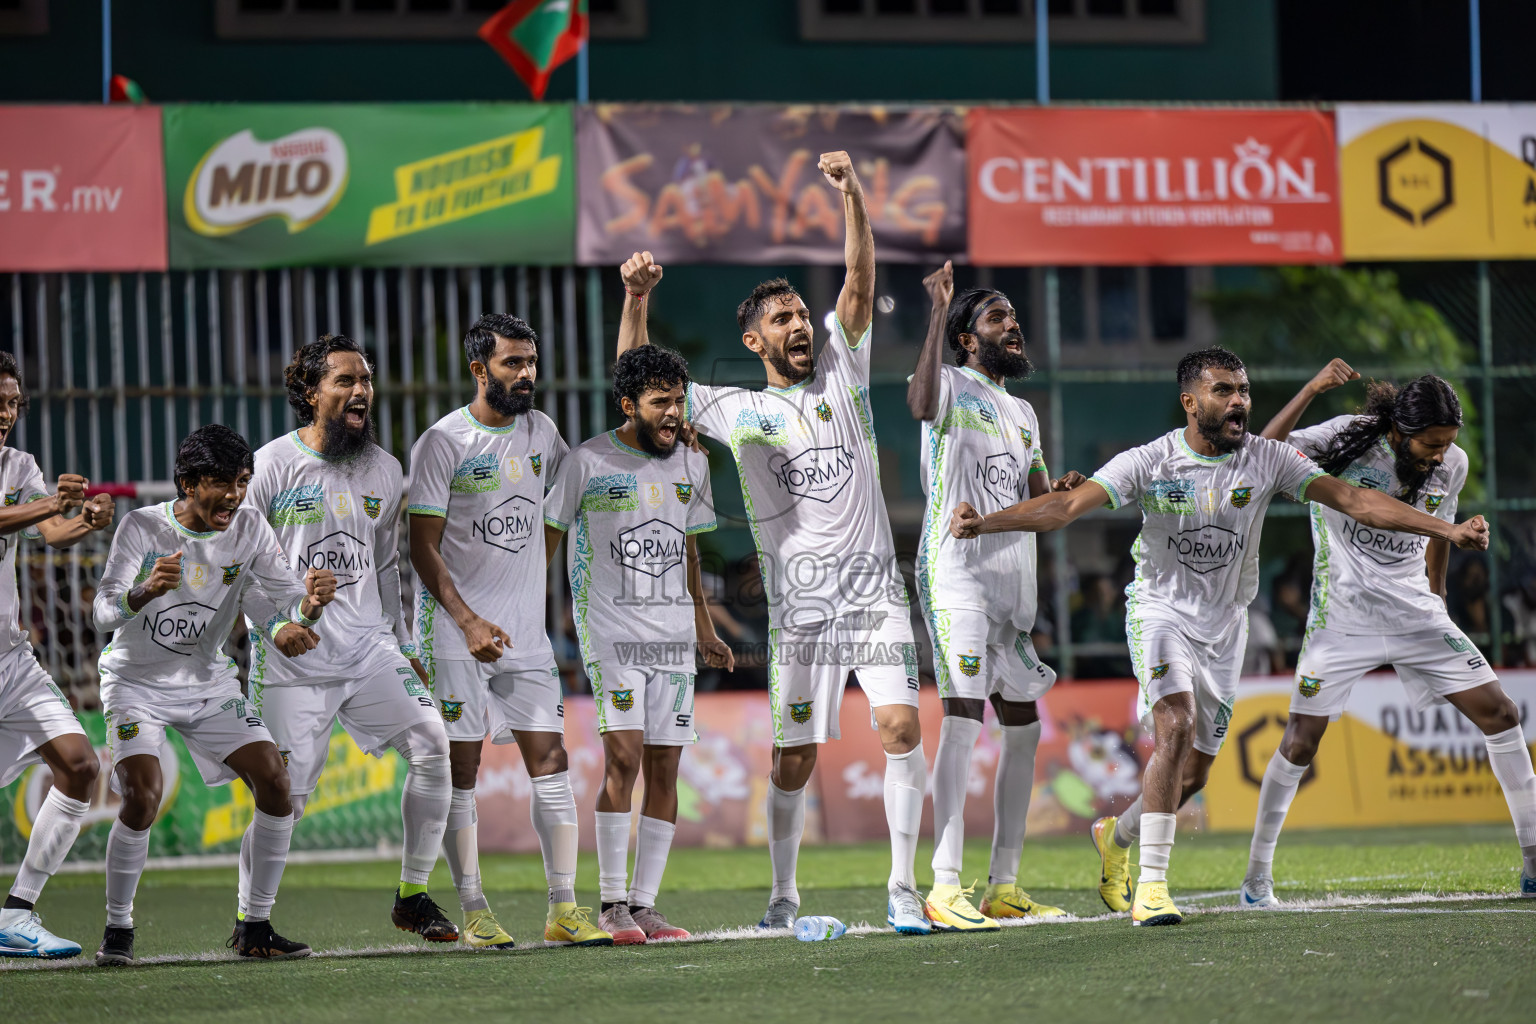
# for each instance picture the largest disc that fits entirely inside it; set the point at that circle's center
(1211, 427)
(340, 442)
(1410, 476)
(509, 401)
(645, 433)
(997, 361)
(780, 361)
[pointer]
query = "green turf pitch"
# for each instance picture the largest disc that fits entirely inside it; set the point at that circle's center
(1469, 959)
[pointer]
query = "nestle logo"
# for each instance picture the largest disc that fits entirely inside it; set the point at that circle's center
(820, 474)
(652, 548)
(508, 526)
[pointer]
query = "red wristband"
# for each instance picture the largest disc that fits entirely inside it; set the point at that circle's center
(636, 295)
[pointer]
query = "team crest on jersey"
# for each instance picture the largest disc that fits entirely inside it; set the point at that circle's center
(536, 463)
(1026, 436)
(231, 572)
(453, 710)
(684, 493)
(1309, 686)
(12, 497)
(373, 506)
(1241, 496)
(970, 664)
(622, 700)
(824, 412)
(127, 730)
(1431, 502)
(1158, 671)
(1456, 643)
(800, 711)
(285, 754)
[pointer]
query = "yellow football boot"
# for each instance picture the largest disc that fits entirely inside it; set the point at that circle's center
(570, 925)
(949, 910)
(1011, 901)
(1154, 906)
(1115, 887)
(483, 931)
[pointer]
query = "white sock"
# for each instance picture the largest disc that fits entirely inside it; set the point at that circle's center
(786, 824)
(269, 837)
(424, 811)
(1511, 762)
(651, 849)
(127, 851)
(951, 772)
(612, 855)
(906, 779)
(53, 833)
(1281, 779)
(461, 849)
(1128, 825)
(1156, 845)
(1014, 786)
(553, 809)
(243, 885)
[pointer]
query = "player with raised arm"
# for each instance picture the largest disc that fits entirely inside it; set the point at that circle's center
(1203, 491)
(36, 721)
(636, 501)
(1378, 598)
(172, 589)
(478, 482)
(805, 450)
(981, 445)
(333, 496)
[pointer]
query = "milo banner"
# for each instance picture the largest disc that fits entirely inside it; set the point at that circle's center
(1438, 181)
(258, 185)
(739, 184)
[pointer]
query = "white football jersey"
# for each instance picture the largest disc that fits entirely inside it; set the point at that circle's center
(629, 515)
(1370, 581)
(1197, 558)
(810, 480)
(341, 515)
(21, 481)
(980, 447)
(171, 650)
(488, 484)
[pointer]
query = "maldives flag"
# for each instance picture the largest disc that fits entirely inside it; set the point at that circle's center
(537, 36)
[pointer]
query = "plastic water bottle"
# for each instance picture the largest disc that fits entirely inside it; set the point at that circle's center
(815, 929)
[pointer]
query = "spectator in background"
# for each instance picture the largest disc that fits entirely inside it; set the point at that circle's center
(1265, 654)
(1292, 597)
(1101, 620)
(1469, 596)
(1520, 603)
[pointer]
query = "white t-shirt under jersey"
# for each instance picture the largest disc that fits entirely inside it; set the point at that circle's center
(488, 484)
(629, 515)
(980, 447)
(20, 481)
(342, 515)
(171, 650)
(1197, 557)
(810, 479)
(1370, 581)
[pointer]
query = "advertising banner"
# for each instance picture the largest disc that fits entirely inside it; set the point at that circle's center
(1106, 186)
(1438, 181)
(1384, 762)
(81, 188)
(739, 184)
(265, 185)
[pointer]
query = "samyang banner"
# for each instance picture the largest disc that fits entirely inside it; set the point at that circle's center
(1438, 181)
(739, 184)
(81, 188)
(265, 185)
(1108, 186)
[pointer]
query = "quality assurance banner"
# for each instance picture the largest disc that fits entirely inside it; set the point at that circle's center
(266, 185)
(1438, 181)
(81, 188)
(739, 184)
(1107, 186)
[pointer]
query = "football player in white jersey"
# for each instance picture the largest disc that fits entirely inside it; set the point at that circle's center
(1378, 598)
(635, 501)
(36, 721)
(806, 453)
(333, 497)
(1203, 490)
(980, 445)
(172, 588)
(478, 480)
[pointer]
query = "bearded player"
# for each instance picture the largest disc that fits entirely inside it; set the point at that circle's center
(478, 480)
(637, 501)
(1203, 491)
(805, 450)
(981, 445)
(172, 589)
(36, 721)
(1378, 598)
(333, 497)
